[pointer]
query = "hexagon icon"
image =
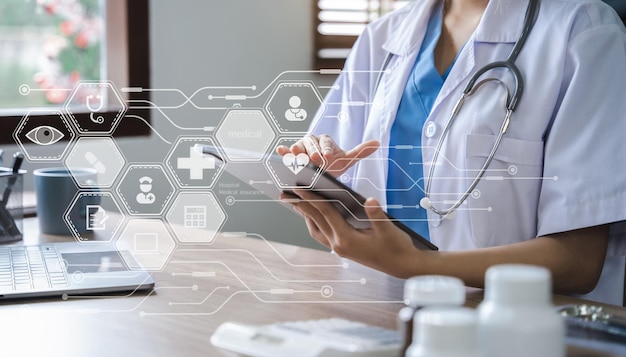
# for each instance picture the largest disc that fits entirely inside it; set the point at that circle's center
(291, 165)
(190, 167)
(99, 153)
(145, 189)
(245, 135)
(148, 241)
(292, 106)
(196, 217)
(95, 107)
(93, 217)
(44, 127)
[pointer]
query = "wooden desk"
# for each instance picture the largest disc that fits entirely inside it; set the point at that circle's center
(241, 279)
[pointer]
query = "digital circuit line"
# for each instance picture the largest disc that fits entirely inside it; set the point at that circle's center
(154, 106)
(150, 126)
(248, 234)
(203, 300)
(255, 294)
(189, 99)
(260, 263)
(344, 265)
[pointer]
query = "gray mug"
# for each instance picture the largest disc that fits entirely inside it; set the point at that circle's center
(55, 189)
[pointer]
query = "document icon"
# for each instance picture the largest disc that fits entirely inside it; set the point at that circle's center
(96, 217)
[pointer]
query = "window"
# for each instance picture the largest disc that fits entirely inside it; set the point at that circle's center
(339, 22)
(46, 46)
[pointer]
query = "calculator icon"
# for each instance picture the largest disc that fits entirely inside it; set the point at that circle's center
(195, 217)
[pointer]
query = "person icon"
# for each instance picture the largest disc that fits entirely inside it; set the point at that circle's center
(145, 197)
(295, 113)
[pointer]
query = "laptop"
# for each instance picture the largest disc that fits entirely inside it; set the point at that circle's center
(67, 269)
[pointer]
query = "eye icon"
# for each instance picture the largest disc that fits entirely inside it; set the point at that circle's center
(44, 135)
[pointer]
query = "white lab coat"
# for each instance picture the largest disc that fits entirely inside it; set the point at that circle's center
(561, 165)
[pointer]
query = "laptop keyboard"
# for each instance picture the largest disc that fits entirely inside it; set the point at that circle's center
(30, 267)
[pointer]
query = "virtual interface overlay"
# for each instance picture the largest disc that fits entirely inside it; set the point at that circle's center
(160, 198)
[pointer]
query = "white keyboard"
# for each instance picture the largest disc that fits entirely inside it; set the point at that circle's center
(30, 267)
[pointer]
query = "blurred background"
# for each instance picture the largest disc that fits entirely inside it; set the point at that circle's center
(178, 67)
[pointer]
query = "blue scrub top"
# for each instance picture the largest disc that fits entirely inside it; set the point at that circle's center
(405, 180)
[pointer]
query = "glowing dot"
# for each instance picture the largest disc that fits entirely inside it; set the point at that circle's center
(253, 87)
(230, 200)
(555, 178)
(326, 291)
(345, 265)
(342, 116)
(476, 194)
(142, 313)
(363, 281)
(210, 97)
(64, 297)
(345, 178)
(336, 87)
(489, 209)
(24, 89)
(512, 170)
(169, 303)
(194, 287)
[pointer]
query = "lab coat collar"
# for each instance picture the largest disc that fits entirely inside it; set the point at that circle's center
(502, 22)
(492, 28)
(410, 33)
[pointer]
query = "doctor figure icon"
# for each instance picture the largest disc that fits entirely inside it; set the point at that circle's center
(145, 197)
(295, 113)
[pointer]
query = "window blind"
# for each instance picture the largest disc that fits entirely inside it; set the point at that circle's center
(339, 22)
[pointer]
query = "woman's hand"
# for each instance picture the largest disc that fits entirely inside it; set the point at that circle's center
(384, 246)
(387, 248)
(325, 153)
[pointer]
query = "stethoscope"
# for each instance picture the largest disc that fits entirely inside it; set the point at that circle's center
(296, 112)
(471, 88)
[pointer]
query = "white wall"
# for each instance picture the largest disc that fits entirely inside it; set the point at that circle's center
(214, 43)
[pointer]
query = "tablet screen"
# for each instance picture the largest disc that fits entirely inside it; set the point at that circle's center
(293, 172)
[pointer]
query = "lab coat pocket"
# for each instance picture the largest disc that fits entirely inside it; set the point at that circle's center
(503, 206)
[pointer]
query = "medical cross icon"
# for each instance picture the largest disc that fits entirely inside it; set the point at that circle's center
(196, 163)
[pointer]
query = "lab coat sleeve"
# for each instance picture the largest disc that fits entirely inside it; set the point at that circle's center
(584, 180)
(345, 109)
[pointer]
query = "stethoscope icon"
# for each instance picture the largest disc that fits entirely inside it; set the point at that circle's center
(99, 119)
(297, 115)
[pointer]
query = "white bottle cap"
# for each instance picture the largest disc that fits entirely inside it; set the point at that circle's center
(445, 331)
(434, 290)
(518, 284)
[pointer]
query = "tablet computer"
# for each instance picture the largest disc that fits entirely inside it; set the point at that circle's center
(293, 172)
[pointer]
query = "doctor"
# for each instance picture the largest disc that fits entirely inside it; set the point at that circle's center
(554, 192)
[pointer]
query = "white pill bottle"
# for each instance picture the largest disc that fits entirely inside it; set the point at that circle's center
(445, 331)
(516, 317)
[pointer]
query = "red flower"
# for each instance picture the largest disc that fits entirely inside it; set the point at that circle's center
(66, 28)
(51, 9)
(75, 76)
(81, 40)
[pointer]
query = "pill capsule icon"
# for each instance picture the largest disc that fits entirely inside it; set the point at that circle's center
(95, 162)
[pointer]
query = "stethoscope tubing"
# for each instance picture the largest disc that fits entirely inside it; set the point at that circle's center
(472, 85)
